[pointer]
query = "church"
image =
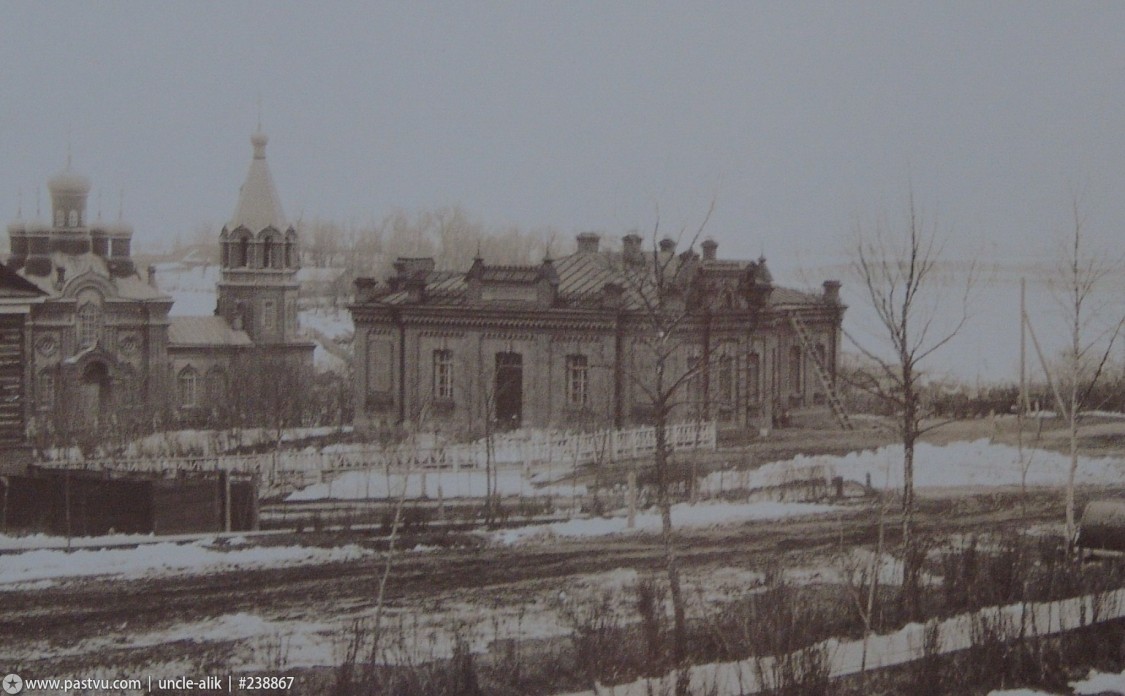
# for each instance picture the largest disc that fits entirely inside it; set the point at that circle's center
(577, 342)
(100, 350)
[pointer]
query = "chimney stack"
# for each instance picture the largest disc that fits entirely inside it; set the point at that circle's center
(152, 276)
(631, 248)
(710, 247)
(832, 291)
(588, 243)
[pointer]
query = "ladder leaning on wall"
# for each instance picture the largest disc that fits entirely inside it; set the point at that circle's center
(834, 400)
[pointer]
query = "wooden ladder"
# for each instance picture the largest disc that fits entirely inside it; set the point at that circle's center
(834, 401)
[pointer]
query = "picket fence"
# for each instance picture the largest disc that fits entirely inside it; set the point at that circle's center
(288, 470)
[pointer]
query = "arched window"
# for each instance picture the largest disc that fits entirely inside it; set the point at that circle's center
(267, 253)
(290, 261)
(188, 385)
(243, 252)
(73, 221)
(216, 387)
(89, 324)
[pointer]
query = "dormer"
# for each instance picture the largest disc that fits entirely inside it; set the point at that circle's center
(411, 275)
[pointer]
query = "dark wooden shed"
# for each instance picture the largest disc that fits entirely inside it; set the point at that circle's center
(90, 503)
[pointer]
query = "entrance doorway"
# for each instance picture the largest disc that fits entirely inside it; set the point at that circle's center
(509, 390)
(93, 395)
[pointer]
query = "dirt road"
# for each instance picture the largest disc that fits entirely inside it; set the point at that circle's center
(78, 624)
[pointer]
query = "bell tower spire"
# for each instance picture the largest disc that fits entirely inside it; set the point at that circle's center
(259, 257)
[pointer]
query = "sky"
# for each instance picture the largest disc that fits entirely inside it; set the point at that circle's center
(797, 122)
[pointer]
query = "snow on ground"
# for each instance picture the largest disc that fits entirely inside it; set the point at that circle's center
(1096, 683)
(161, 559)
(852, 567)
(1100, 683)
(978, 463)
(684, 516)
(467, 483)
(335, 324)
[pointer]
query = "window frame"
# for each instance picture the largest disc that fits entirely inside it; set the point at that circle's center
(442, 374)
(577, 380)
(187, 384)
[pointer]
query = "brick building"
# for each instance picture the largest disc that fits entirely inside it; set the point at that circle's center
(566, 343)
(99, 347)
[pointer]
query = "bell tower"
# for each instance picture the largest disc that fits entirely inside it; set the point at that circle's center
(258, 288)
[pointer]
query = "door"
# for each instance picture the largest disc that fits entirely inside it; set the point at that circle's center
(509, 390)
(94, 400)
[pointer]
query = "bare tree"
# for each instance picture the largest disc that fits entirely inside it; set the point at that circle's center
(662, 371)
(1079, 277)
(898, 271)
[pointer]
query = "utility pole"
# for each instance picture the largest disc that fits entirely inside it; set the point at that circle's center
(1025, 397)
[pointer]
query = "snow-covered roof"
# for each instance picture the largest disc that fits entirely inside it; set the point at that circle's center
(212, 330)
(259, 206)
(129, 287)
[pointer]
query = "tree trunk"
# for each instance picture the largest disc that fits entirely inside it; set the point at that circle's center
(910, 559)
(671, 565)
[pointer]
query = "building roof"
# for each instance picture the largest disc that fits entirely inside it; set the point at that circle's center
(12, 284)
(129, 287)
(211, 330)
(582, 279)
(259, 206)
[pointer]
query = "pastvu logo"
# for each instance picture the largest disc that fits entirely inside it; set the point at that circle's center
(12, 684)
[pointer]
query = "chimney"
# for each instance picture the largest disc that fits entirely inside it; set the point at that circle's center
(631, 247)
(152, 276)
(667, 247)
(588, 243)
(832, 291)
(710, 246)
(60, 276)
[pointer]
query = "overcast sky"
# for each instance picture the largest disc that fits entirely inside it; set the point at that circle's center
(797, 119)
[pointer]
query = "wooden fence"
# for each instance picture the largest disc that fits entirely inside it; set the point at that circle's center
(290, 470)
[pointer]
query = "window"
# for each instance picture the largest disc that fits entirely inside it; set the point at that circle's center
(577, 380)
(753, 378)
(60, 218)
(73, 220)
(269, 312)
(243, 252)
(289, 262)
(695, 378)
(267, 253)
(89, 324)
(216, 387)
(46, 388)
(188, 384)
(443, 375)
(726, 379)
(795, 385)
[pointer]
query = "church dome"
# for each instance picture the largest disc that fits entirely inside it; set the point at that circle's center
(68, 182)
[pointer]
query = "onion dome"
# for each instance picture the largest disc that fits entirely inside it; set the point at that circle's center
(68, 182)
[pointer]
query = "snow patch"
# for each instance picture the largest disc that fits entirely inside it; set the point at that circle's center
(684, 516)
(160, 559)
